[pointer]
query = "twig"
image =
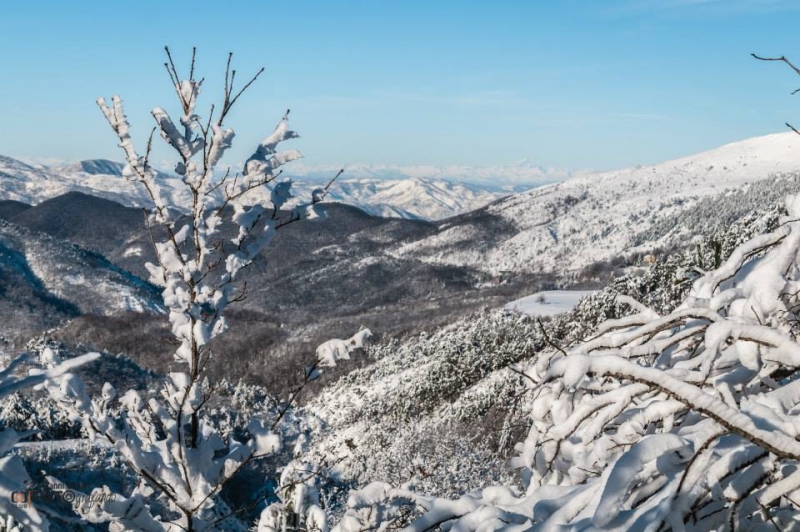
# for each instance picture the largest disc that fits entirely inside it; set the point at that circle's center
(547, 338)
(781, 58)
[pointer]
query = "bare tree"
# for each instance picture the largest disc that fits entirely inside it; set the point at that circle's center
(791, 65)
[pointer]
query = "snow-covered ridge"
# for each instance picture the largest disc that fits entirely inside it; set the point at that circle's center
(407, 198)
(594, 217)
(30, 184)
(514, 177)
(416, 192)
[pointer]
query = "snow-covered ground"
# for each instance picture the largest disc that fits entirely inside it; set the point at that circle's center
(548, 302)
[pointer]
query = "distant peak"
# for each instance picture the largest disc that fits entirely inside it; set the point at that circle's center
(101, 167)
(15, 163)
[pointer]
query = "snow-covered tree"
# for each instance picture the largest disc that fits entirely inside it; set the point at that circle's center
(181, 461)
(13, 477)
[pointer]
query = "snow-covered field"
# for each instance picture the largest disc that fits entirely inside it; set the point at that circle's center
(548, 302)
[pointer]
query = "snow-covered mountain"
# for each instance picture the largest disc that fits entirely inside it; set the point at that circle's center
(572, 224)
(407, 198)
(22, 182)
(561, 226)
(416, 192)
(31, 184)
(514, 177)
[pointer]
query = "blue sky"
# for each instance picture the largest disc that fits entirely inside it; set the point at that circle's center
(580, 84)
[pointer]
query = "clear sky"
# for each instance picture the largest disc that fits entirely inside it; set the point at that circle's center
(581, 84)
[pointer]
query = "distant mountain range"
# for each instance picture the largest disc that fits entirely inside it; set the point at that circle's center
(30, 184)
(412, 198)
(413, 192)
(509, 178)
(551, 228)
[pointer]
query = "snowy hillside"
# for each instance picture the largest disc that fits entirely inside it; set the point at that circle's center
(408, 198)
(34, 184)
(22, 182)
(594, 217)
(44, 280)
(419, 192)
(403, 417)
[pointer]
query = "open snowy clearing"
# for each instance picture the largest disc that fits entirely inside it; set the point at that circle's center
(548, 303)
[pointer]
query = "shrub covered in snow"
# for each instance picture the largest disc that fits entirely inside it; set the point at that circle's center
(13, 477)
(683, 420)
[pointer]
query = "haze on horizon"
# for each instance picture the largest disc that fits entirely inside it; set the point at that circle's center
(573, 84)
